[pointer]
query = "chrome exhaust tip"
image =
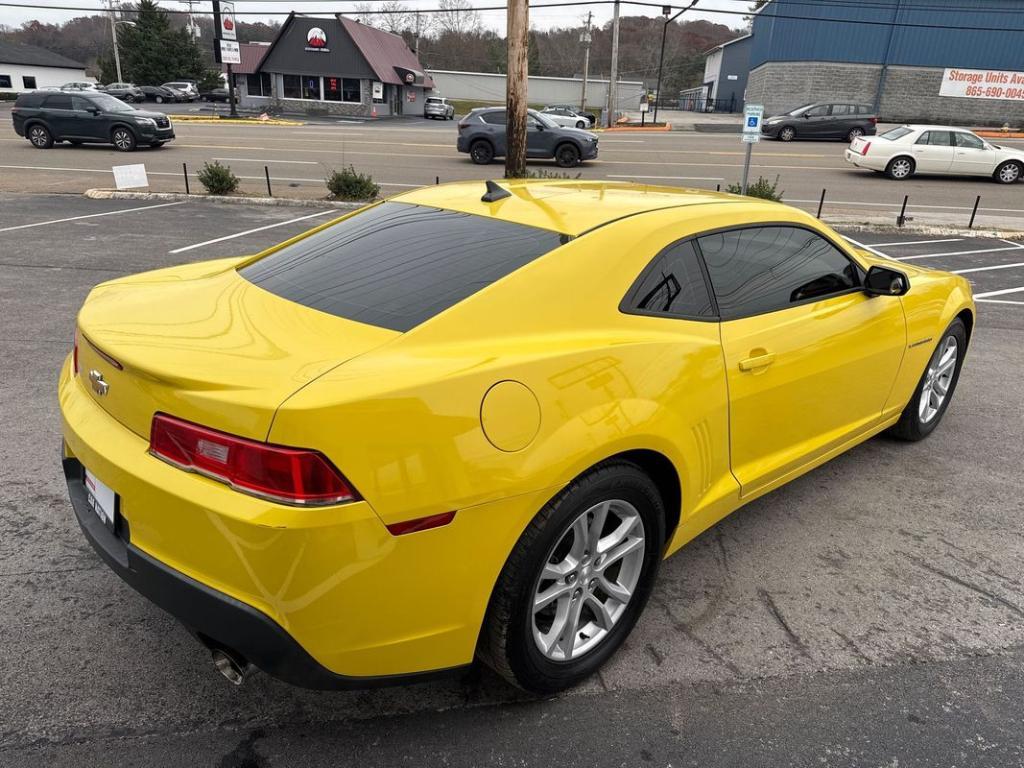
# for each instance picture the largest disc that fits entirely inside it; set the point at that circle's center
(232, 667)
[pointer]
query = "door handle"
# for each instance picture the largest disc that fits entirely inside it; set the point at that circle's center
(755, 363)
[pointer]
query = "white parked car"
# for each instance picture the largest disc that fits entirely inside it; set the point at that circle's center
(187, 87)
(566, 117)
(79, 85)
(939, 149)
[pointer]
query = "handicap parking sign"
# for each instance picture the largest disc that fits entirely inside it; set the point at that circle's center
(752, 122)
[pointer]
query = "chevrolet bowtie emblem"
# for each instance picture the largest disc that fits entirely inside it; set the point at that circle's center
(99, 385)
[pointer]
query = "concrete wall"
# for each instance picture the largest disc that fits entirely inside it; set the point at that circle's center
(479, 86)
(46, 77)
(911, 93)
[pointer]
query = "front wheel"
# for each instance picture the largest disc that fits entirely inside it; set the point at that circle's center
(567, 156)
(935, 389)
(899, 168)
(1008, 173)
(40, 137)
(581, 123)
(481, 153)
(576, 581)
(123, 140)
(159, 99)
(787, 134)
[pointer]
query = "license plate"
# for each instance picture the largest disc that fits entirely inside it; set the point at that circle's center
(102, 499)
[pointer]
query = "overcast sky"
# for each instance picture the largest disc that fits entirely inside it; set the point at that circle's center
(540, 18)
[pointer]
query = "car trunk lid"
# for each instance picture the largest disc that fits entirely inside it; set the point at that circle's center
(201, 343)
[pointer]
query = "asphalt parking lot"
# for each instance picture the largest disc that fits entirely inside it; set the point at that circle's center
(868, 614)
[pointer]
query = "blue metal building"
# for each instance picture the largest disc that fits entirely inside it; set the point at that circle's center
(959, 61)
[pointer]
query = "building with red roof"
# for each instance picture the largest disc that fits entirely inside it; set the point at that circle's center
(334, 66)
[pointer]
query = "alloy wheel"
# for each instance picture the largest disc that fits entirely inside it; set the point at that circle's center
(900, 168)
(588, 580)
(38, 136)
(1009, 173)
(787, 134)
(855, 133)
(123, 140)
(937, 380)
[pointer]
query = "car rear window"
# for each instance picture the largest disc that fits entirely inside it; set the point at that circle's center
(895, 133)
(396, 265)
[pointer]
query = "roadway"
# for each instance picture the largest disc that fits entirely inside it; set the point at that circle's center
(411, 152)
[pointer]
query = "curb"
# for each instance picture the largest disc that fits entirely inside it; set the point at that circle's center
(988, 134)
(637, 129)
(866, 225)
(213, 119)
(111, 194)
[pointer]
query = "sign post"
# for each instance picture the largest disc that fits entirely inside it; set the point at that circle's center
(225, 44)
(752, 116)
(644, 109)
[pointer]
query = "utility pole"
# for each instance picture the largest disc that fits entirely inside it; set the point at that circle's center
(666, 10)
(113, 37)
(585, 39)
(612, 81)
(416, 44)
(515, 99)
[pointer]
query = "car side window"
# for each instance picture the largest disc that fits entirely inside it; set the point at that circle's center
(935, 138)
(820, 111)
(80, 104)
(673, 284)
(841, 109)
(58, 101)
(763, 269)
(493, 118)
(968, 140)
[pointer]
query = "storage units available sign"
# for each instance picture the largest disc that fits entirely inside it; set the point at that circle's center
(983, 84)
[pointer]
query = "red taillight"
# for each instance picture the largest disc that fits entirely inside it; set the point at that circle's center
(286, 475)
(873, 120)
(74, 355)
(864, 149)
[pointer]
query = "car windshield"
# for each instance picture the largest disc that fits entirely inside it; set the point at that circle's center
(110, 104)
(395, 265)
(434, 101)
(895, 133)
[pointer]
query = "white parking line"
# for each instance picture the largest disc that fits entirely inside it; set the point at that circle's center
(919, 242)
(1004, 291)
(986, 269)
(869, 248)
(251, 231)
(957, 253)
(672, 178)
(259, 160)
(1000, 301)
(90, 216)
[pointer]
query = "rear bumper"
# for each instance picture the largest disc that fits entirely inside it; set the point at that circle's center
(214, 617)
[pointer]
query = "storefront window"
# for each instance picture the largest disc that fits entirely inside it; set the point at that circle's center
(292, 86)
(332, 89)
(311, 87)
(350, 90)
(258, 84)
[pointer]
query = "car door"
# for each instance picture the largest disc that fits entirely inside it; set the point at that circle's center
(539, 140)
(59, 115)
(810, 358)
(815, 121)
(933, 152)
(843, 118)
(495, 130)
(91, 122)
(971, 155)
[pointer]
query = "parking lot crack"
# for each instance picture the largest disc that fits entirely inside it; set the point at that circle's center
(854, 648)
(709, 649)
(773, 609)
(967, 585)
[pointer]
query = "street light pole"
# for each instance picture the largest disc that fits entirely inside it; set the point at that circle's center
(113, 37)
(612, 94)
(666, 9)
(585, 39)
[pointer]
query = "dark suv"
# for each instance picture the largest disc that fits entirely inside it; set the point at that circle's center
(44, 117)
(822, 121)
(482, 135)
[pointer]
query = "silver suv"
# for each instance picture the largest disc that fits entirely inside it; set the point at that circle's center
(438, 106)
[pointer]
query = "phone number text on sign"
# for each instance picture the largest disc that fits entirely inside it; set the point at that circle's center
(983, 84)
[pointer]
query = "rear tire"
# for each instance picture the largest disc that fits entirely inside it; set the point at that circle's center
(159, 99)
(481, 152)
(122, 139)
(855, 133)
(567, 156)
(40, 136)
(1009, 172)
(561, 546)
(900, 168)
(935, 390)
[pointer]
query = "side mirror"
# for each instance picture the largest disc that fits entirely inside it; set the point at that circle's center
(882, 281)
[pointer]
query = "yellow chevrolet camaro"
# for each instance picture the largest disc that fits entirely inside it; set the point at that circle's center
(471, 420)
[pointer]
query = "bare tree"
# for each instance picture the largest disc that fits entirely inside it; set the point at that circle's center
(396, 17)
(457, 17)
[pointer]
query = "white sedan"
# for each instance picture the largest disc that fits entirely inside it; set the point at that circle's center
(938, 149)
(566, 118)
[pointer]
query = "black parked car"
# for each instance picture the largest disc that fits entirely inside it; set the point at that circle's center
(44, 117)
(482, 135)
(214, 94)
(159, 94)
(822, 121)
(128, 92)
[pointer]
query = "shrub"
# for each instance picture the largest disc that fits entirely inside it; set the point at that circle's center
(348, 184)
(218, 179)
(543, 173)
(767, 190)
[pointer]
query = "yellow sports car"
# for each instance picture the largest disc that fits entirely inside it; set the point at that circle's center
(471, 420)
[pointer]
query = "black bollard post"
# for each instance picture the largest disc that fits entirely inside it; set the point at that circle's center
(974, 213)
(184, 170)
(821, 203)
(266, 172)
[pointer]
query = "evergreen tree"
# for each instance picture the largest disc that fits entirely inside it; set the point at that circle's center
(152, 52)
